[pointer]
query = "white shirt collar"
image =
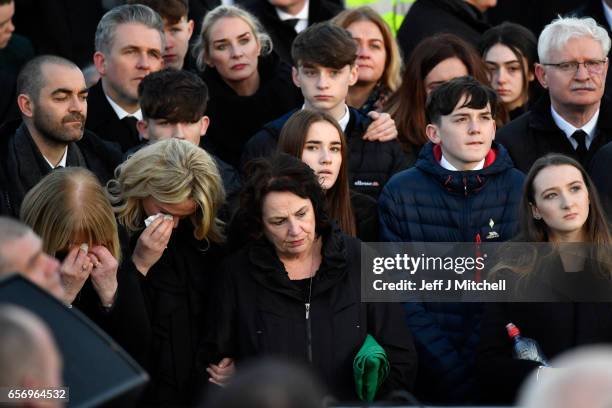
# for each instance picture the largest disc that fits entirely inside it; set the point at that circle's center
(344, 120)
(446, 164)
(62, 162)
(607, 12)
(121, 113)
(569, 129)
(302, 16)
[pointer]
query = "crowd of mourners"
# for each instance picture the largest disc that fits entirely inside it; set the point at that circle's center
(198, 180)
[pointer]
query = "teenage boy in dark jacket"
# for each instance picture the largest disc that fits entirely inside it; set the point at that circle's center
(324, 68)
(173, 105)
(463, 188)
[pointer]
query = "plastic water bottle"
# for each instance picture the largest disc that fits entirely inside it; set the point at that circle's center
(525, 348)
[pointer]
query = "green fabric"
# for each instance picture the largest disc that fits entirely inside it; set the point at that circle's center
(370, 368)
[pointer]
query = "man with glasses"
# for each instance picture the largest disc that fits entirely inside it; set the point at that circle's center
(574, 118)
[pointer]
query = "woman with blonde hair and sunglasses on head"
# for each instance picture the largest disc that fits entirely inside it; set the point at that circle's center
(167, 196)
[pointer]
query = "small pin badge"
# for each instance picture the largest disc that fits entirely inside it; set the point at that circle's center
(492, 234)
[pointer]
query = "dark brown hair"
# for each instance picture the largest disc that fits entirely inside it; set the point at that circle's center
(444, 99)
(280, 173)
(521, 41)
(177, 96)
(407, 105)
(292, 140)
(324, 44)
(170, 10)
(532, 230)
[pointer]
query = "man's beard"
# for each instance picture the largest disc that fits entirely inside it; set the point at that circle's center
(56, 133)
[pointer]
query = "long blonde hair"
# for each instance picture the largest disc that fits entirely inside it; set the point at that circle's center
(170, 171)
(201, 48)
(67, 203)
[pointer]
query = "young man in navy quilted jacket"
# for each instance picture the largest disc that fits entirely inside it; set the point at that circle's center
(463, 188)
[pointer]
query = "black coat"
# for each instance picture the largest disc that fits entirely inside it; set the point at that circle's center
(557, 325)
(262, 313)
(428, 17)
(22, 165)
(282, 34)
(60, 27)
(535, 134)
(127, 321)
(103, 121)
(8, 98)
(600, 173)
(176, 291)
(365, 211)
(234, 119)
(371, 164)
(534, 18)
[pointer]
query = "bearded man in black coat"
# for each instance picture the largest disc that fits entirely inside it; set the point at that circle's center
(52, 98)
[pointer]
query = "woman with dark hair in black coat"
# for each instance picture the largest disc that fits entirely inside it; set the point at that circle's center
(294, 291)
(572, 280)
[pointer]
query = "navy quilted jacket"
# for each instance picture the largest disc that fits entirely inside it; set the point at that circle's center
(428, 203)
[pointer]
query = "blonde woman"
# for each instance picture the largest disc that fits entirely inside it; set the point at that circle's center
(173, 187)
(249, 85)
(69, 210)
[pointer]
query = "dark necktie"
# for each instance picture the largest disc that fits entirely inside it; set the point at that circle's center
(130, 122)
(291, 22)
(581, 151)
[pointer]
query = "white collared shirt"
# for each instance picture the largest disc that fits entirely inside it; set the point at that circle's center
(607, 12)
(569, 129)
(122, 113)
(62, 162)
(344, 120)
(302, 16)
(446, 164)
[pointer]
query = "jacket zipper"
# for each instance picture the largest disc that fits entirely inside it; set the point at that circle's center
(308, 332)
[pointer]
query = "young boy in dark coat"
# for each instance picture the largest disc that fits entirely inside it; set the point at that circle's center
(173, 105)
(463, 188)
(324, 68)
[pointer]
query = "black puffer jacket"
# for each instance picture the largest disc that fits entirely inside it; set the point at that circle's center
(431, 204)
(428, 203)
(371, 164)
(262, 313)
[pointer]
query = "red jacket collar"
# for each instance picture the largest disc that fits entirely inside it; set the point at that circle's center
(489, 158)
